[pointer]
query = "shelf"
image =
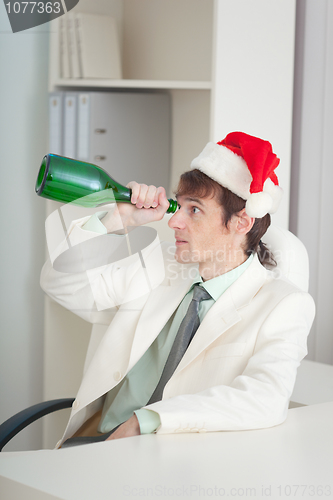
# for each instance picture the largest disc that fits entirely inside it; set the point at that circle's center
(138, 84)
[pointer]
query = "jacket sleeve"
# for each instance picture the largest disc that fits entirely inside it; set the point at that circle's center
(259, 397)
(76, 276)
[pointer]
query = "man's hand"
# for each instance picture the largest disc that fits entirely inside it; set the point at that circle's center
(148, 204)
(129, 428)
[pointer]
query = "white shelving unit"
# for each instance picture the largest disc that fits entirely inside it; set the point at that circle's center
(165, 45)
(228, 65)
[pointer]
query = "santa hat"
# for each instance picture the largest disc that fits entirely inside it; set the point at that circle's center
(245, 165)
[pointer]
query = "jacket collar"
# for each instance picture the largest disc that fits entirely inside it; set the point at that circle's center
(164, 300)
(224, 313)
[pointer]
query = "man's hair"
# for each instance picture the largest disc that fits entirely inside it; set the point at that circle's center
(197, 184)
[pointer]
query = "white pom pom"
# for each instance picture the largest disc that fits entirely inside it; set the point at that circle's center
(275, 192)
(258, 204)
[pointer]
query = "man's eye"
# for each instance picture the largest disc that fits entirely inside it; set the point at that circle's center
(178, 206)
(196, 210)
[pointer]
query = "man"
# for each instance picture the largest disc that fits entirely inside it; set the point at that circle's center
(214, 342)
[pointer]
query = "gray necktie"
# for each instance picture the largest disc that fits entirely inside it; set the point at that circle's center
(186, 332)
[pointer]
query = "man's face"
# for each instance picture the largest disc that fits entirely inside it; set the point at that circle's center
(200, 233)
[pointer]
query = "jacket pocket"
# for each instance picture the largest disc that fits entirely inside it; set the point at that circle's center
(221, 351)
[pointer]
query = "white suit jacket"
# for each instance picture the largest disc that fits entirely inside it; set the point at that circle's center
(240, 368)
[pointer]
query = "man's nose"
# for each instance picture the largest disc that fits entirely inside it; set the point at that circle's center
(177, 220)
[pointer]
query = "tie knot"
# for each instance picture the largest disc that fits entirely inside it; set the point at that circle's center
(199, 294)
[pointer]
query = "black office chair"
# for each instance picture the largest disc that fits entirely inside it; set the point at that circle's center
(15, 424)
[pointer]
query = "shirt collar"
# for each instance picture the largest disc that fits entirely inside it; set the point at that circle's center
(217, 286)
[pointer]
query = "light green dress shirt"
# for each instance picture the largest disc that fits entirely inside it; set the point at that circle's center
(133, 392)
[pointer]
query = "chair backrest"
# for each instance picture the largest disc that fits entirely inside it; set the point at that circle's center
(290, 254)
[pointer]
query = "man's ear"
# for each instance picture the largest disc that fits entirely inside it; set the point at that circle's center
(244, 222)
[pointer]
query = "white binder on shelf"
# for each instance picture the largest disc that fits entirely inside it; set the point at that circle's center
(75, 69)
(64, 49)
(127, 134)
(83, 127)
(70, 125)
(98, 46)
(55, 122)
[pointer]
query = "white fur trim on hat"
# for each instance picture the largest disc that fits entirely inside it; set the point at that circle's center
(231, 171)
(225, 167)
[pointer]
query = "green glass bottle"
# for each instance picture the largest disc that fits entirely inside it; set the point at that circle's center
(67, 180)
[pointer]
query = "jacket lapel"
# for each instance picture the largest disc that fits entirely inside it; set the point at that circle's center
(161, 304)
(157, 309)
(224, 313)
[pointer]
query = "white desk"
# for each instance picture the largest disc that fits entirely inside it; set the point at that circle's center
(267, 463)
(314, 383)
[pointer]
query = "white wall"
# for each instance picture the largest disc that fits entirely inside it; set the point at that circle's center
(312, 173)
(23, 122)
(253, 78)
